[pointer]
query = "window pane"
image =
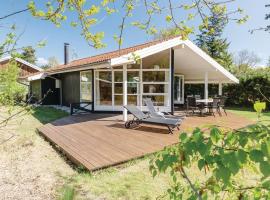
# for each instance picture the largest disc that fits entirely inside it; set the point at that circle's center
(155, 76)
(157, 61)
(158, 100)
(134, 66)
(154, 88)
(118, 88)
(118, 100)
(118, 67)
(103, 88)
(105, 76)
(86, 76)
(86, 86)
(86, 91)
(133, 88)
(132, 99)
(133, 76)
(118, 76)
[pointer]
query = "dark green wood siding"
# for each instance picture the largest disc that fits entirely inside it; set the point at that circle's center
(70, 88)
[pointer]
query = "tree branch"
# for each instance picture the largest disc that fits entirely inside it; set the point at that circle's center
(14, 13)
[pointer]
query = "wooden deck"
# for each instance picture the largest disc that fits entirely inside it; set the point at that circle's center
(100, 140)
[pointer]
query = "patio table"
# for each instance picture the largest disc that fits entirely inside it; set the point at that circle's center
(206, 101)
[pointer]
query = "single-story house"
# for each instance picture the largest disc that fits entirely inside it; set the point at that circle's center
(157, 70)
(26, 68)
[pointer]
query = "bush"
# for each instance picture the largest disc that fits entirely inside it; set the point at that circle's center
(246, 92)
(11, 91)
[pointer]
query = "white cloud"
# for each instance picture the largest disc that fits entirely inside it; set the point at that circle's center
(41, 61)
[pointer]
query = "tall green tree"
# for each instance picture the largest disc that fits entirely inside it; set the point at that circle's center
(29, 54)
(210, 37)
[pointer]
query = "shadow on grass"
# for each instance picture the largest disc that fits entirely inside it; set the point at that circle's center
(47, 114)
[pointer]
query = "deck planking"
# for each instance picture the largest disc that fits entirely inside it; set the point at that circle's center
(100, 140)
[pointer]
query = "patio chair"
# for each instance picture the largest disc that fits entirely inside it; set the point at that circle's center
(197, 96)
(152, 111)
(214, 106)
(192, 105)
(222, 105)
(139, 117)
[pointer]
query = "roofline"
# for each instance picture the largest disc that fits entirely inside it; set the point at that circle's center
(23, 62)
(104, 64)
(210, 60)
(124, 59)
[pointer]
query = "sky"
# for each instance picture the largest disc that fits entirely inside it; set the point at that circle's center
(35, 30)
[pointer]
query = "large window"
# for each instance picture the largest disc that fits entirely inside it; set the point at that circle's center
(86, 86)
(103, 87)
(133, 84)
(156, 78)
(118, 88)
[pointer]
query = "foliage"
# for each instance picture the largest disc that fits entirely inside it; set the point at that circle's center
(68, 193)
(210, 37)
(245, 60)
(259, 107)
(222, 155)
(52, 62)
(251, 85)
(89, 14)
(29, 54)
(10, 90)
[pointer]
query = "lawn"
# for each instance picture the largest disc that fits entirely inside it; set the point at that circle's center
(34, 170)
(251, 114)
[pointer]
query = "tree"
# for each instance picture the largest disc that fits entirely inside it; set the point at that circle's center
(29, 54)
(88, 15)
(52, 62)
(268, 62)
(222, 156)
(210, 38)
(11, 91)
(245, 60)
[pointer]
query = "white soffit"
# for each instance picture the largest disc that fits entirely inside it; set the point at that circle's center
(37, 77)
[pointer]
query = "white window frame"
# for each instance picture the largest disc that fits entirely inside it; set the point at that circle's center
(182, 89)
(86, 83)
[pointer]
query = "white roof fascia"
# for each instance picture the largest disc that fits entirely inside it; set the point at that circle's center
(29, 64)
(23, 62)
(39, 76)
(211, 61)
(83, 68)
(146, 51)
(125, 59)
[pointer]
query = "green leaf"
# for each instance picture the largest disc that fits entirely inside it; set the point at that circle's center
(223, 173)
(265, 146)
(183, 137)
(201, 163)
(266, 184)
(242, 156)
(256, 155)
(265, 168)
(215, 135)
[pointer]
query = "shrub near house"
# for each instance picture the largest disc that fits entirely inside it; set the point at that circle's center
(10, 90)
(252, 83)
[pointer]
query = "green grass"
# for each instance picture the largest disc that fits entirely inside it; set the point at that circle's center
(251, 114)
(129, 181)
(47, 114)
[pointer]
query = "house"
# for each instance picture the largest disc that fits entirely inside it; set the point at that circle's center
(26, 68)
(157, 69)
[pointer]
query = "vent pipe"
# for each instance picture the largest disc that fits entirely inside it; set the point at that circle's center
(66, 53)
